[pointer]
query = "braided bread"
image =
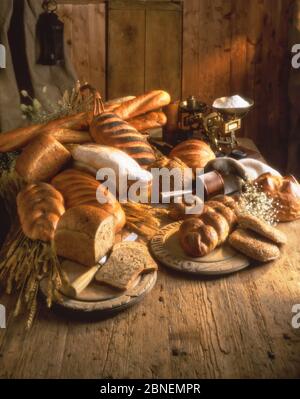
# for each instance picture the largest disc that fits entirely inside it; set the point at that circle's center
(40, 207)
(79, 188)
(109, 129)
(200, 235)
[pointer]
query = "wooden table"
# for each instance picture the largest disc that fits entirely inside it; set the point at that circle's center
(229, 327)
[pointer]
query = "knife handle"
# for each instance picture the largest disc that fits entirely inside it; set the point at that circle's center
(80, 283)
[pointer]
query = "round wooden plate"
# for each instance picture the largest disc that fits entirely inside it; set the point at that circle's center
(166, 249)
(99, 297)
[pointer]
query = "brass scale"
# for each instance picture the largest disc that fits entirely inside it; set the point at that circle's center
(217, 125)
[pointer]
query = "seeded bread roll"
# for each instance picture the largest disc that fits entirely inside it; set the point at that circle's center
(262, 228)
(42, 159)
(83, 235)
(250, 244)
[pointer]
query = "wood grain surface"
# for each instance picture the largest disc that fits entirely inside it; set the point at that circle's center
(234, 326)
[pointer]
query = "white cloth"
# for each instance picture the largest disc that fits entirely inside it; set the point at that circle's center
(255, 168)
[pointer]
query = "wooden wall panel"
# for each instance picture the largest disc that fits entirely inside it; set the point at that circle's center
(85, 38)
(144, 47)
(229, 47)
(126, 52)
(163, 55)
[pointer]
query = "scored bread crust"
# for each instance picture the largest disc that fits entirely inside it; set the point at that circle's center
(254, 246)
(39, 207)
(83, 235)
(80, 188)
(42, 159)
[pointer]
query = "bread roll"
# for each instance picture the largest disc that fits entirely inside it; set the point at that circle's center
(79, 188)
(200, 235)
(286, 193)
(194, 153)
(83, 235)
(42, 159)
(39, 207)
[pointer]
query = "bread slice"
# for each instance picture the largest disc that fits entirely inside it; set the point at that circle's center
(254, 246)
(84, 235)
(42, 159)
(126, 262)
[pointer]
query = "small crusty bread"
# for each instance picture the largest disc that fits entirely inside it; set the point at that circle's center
(42, 159)
(250, 244)
(126, 262)
(83, 235)
(261, 227)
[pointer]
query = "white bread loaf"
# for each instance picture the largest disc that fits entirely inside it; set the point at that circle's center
(92, 157)
(83, 235)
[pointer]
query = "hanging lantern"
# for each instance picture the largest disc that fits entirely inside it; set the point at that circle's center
(50, 32)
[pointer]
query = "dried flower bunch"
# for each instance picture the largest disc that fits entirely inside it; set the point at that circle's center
(256, 202)
(72, 102)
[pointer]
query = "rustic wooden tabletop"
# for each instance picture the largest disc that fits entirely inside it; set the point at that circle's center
(229, 327)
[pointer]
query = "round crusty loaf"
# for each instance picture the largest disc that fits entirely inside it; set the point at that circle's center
(39, 207)
(194, 153)
(286, 193)
(250, 244)
(247, 221)
(79, 188)
(42, 159)
(83, 235)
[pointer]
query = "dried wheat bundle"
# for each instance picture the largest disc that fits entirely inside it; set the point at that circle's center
(22, 267)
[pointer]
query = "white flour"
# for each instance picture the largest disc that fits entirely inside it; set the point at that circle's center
(231, 102)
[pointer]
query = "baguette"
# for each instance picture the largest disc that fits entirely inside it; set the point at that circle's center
(39, 207)
(142, 104)
(69, 136)
(83, 235)
(151, 120)
(42, 159)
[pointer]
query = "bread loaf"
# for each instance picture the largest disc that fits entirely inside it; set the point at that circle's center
(79, 188)
(151, 120)
(40, 207)
(83, 235)
(286, 193)
(194, 153)
(111, 130)
(42, 159)
(96, 157)
(200, 235)
(142, 104)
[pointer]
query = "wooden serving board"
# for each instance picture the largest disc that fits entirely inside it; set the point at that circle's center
(166, 248)
(99, 297)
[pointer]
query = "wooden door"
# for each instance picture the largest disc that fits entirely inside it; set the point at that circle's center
(144, 49)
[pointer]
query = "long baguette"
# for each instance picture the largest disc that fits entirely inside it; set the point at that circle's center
(151, 120)
(141, 104)
(18, 138)
(69, 136)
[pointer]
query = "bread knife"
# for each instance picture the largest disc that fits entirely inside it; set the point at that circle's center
(81, 282)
